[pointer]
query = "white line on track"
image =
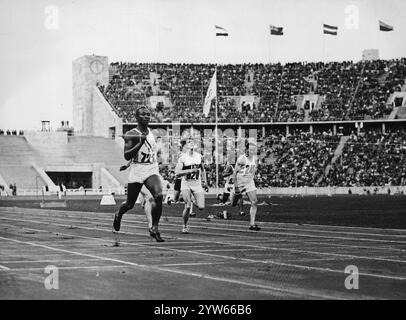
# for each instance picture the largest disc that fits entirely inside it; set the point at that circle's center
(268, 261)
(252, 246)
(236, 222)
(68, 268)
(199, 224)
(258, 239)
(182, 272)
(192, 264)
(265, 225)
(3, 267)
(47, 260)
(249, 237)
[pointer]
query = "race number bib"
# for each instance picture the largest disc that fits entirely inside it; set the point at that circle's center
(194, 175)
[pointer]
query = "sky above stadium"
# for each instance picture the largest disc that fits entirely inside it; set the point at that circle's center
(39, 39)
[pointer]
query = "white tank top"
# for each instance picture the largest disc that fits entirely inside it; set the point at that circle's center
(190, 162)
(247, 168)
(148, 151)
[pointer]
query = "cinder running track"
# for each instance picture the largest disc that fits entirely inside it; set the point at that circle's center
(219, 259)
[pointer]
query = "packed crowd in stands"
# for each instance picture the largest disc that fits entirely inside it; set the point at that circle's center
(349, 90)
(304, 159)
(371, 159)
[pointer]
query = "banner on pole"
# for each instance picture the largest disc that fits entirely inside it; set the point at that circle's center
(210, 95)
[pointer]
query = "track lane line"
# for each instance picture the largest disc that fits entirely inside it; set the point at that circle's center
(253, 232)
(242, 259)
(182, 272)
(242, 224)
(255, 246)
(210, 226)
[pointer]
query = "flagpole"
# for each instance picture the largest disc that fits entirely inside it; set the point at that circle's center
(324, 48)
(216, 158)
(269, 47)
(216, 131)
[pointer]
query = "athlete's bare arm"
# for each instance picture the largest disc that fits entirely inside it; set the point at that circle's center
(125, 167)
(179, 172)
(228, 172)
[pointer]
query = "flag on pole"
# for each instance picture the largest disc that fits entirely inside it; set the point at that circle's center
(384, 27)
(276, 31)
(221, 32)
(328, 29)
(210, 95)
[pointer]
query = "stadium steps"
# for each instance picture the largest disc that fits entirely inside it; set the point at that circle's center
(393, 114)
(299, 100)
(15, 150)
(121, 176)
(337, 153)
(249, 81)
(25, 177)
(86, 150)
(339, 150)
(5, 185)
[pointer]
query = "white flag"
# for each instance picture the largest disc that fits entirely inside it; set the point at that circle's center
(210, 95)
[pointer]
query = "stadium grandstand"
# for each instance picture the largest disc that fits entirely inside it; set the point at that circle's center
(318, 125)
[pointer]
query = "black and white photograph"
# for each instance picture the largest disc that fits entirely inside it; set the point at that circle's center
(202, 155)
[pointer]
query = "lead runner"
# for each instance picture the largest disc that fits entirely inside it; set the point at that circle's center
(140, 147)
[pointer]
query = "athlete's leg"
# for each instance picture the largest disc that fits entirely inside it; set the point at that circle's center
(176, 192)
(241, 205)
(187, 195)
(133, 190)
(176, 195)
(225, 197)
(252, 196)
(147, 203)
(146, 200)
(199, 198)
(235, 198)
(153, 184)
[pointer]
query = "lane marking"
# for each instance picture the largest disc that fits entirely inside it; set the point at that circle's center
(182, 272)
(252, 246)
(47, 260)
(231, 222)
(241, 259)
(136, 223)
(67, 268)
(249, 237)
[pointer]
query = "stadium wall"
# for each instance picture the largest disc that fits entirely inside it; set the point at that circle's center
(106, 123)
(107, 180)
(6, 189)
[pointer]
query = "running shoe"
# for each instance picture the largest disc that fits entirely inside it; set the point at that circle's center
(156, 235)
(117, 222)
(255, 228)
(185, 230)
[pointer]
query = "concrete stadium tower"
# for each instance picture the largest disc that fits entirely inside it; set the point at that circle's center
(92, 114)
